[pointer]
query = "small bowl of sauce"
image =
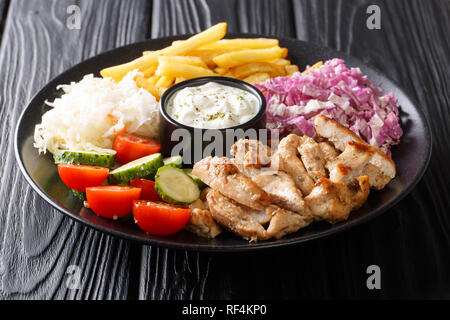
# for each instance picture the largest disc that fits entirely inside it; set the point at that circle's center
(205, 116)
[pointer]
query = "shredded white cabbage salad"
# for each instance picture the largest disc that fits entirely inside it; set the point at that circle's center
(90, 113)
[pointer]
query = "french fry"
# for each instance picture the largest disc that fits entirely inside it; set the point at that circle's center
(228, 74)
(291, 69)
(180, 47)
(182, 70)
(257, 43)
(245, 70)
(177, 42)
(257, 77)
(250, 43)
(232, 59)
(194, 61)
(313, 67)
(207, 55)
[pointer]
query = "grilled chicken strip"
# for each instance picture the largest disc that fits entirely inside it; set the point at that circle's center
(282, 189)
(251, 153)
(361, 159)
(286, 159)
(201, 221)
(312, 157)
(360, 190)
(328, 151)
(331, 201)
(277, 184)
(335, 132)
(221, 175)
(235, 217)
(285, 221)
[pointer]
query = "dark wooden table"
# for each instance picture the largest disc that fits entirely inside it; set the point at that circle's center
(410, 243)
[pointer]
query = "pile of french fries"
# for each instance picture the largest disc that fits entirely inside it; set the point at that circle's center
(206, 54)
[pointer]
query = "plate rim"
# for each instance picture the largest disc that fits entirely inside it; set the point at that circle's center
(244, 246)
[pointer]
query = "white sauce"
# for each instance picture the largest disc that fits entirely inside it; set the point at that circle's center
(212, 106)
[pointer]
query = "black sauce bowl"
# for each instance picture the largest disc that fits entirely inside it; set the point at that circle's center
(195, 143)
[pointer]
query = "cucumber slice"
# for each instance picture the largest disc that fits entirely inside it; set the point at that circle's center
(143, 167)
(80, 195)
(197, 180)
(83, 157)
(175, 186)
(175, 161)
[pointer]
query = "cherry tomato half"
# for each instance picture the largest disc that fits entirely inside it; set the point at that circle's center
(148, 189)
(159, 218)
(112, 201)
(79, 177)
(130, 147)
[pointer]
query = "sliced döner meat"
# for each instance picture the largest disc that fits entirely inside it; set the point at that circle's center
(248, 171)
(286, 159)
(221, 175)
(361, 159)
(251, 153)
(234, 217)
(197, 204)
(282, 189)
(377, 179)
(331, 201)
(312, 157)
(277, 184)
(284, 222)
(201, 221)
(372, 162)
(335, 132)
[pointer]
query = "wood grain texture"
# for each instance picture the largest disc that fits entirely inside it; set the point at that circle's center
(37, 244)
(411, 48)
(172, 274)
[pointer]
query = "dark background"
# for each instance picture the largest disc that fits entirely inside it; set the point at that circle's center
(410, 243)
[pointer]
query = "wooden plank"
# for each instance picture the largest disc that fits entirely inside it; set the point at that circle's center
(172, 274)
(37, 243)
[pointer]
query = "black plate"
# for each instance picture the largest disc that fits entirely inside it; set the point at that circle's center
(411, 155)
